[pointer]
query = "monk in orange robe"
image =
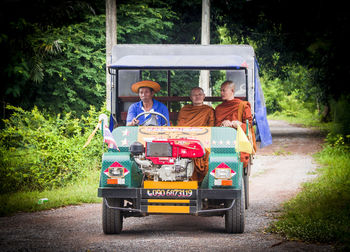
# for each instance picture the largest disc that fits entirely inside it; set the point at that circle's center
(233, 112)
(195, 115)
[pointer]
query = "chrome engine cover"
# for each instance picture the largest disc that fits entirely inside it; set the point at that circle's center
(181, 171)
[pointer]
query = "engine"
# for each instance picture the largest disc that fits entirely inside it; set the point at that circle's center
(167, 160)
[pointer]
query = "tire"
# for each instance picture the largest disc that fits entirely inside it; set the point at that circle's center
(112, 219)
(235, 218)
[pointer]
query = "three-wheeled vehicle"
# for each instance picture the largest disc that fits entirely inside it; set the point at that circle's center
(150, 171)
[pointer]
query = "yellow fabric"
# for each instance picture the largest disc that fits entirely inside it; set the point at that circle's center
(242, 142)
(251, 135)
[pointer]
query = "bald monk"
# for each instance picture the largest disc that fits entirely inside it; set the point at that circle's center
(197, 114)
(227, 114)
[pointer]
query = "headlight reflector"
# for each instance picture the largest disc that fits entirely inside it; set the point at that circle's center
(116, 171)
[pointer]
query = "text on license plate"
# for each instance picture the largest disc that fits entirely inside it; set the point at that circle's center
(181, 193)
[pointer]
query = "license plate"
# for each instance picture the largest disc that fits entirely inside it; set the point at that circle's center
(169, 193)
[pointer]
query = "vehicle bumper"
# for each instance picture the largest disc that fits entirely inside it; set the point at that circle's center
(159, 201)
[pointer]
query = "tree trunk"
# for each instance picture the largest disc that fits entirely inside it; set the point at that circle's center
(205, 37)
(205, 40)
(111, 40)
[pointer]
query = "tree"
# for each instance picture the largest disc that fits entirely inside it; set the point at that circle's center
(311, 33)
(144, 22)
(24, 46)
(74, 78)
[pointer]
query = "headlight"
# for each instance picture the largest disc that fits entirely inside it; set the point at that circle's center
(116, 171)
(223, 173)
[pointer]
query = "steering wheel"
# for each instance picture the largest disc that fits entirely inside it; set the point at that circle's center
(153, 113)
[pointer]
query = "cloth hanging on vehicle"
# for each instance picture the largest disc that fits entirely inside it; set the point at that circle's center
(251, 134)
(111, 123)
(201, 166)
(242, 142)
(263, 133)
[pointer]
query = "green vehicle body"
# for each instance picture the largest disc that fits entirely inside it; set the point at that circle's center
(222, 151)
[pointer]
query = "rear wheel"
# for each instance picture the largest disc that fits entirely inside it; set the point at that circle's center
(234, 218)
(112, 219)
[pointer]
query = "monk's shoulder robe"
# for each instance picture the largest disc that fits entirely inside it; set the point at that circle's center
(228, 110)
(194, 116)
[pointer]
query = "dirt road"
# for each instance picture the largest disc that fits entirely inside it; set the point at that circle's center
(277, 173)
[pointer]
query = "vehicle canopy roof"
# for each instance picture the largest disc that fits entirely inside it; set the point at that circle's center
(231, 55)
(179, 62)
(130, 59)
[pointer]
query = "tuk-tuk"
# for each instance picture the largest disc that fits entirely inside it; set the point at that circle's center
(149, 170)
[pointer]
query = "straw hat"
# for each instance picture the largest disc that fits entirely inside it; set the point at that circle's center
(146, 83)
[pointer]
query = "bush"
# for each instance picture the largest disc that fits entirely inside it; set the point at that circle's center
(41, 152)
(273, 94)
(341, 116)
(290, 94)
(321, 212)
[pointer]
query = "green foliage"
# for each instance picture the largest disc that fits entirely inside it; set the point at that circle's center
(62, 69)
(321, 212)
(281, 39)
(216, 79)
(187, 24)
(39, 152)
(81, 191)
(142, 22)
(341, 115)
(292, 96)
(75, 79)
(59, 69)
(291, 106)
(273, 94)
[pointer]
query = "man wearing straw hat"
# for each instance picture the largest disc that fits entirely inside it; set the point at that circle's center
(146, 90)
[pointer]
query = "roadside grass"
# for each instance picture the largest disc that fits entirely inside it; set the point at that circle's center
(306, 119)
(281, 152)
(82, 191)
(321, 211)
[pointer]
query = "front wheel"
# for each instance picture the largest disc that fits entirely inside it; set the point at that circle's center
(112, 219)
(235, 218)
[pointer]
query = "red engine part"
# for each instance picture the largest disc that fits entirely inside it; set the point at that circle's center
(166, 151)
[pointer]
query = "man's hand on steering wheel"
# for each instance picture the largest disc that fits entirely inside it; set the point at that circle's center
(152, 113)
(134, 122)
